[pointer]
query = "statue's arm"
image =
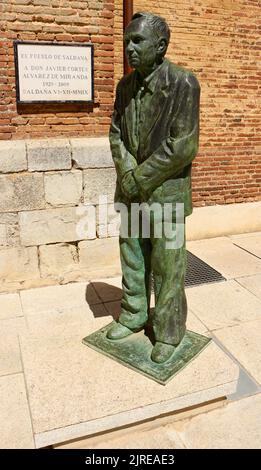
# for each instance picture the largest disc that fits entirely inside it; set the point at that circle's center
(179, 149)
(123, 160)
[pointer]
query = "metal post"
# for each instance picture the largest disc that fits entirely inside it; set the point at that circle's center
(127, 15)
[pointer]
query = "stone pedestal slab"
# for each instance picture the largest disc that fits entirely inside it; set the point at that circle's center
(74, 391)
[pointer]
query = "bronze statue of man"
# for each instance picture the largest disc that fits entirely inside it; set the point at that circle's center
(154, 138)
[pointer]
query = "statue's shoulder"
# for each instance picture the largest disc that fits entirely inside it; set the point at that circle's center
(183, 75)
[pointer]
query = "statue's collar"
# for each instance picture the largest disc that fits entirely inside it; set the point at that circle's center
(150, 81)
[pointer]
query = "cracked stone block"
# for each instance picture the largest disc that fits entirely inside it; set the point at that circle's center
(58, 261)
(63, 187)
(91, 153)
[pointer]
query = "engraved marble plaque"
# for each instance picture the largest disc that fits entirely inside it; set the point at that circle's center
(51, 72)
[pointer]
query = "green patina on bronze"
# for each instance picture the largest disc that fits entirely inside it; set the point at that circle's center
(135, 351)
(154, 138)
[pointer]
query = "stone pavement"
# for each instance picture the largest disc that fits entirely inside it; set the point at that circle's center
(50, 317)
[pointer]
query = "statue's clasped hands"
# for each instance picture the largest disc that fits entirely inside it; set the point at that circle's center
(129, 186)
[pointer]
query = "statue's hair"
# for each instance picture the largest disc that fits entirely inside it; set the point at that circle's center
(157, 23)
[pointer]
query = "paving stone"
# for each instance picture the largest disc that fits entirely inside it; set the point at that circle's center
(148, 439)
(108, 289)
(68, 322)
(223, 304)
(13, 326)
(58, 298)
(243, 341)
(250, 242)
(225, 257)
(113, 308)
(10, 306)
(16, 430)
(10, 356)
(99, 310)
(155, 433)
(10, 360)
(127, 398)
(234, 426)
(194, 324)
(252, 283)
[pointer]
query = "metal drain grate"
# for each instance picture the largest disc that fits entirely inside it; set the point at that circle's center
(199, 272)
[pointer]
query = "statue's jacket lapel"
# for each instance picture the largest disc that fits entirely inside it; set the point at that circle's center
(159, 117)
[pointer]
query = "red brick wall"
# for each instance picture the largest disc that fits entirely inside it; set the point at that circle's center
(61, 21)
(118, 38)
(219, 40)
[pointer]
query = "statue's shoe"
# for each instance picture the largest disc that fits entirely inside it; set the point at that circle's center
(118, 331)
(162, 352)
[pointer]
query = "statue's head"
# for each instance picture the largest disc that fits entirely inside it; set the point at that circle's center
(146, 40)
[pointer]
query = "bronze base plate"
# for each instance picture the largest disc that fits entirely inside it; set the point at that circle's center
(134, 352)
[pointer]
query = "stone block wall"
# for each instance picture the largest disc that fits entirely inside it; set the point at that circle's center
(49, 190)
(57, 21)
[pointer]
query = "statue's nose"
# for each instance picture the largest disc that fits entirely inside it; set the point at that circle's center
(130, 47)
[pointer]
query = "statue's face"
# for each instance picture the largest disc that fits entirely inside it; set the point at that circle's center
(140, 45)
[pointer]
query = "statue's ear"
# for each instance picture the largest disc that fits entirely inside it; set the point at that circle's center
(162, 47)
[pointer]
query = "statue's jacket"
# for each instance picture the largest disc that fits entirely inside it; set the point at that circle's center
(160, 155)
